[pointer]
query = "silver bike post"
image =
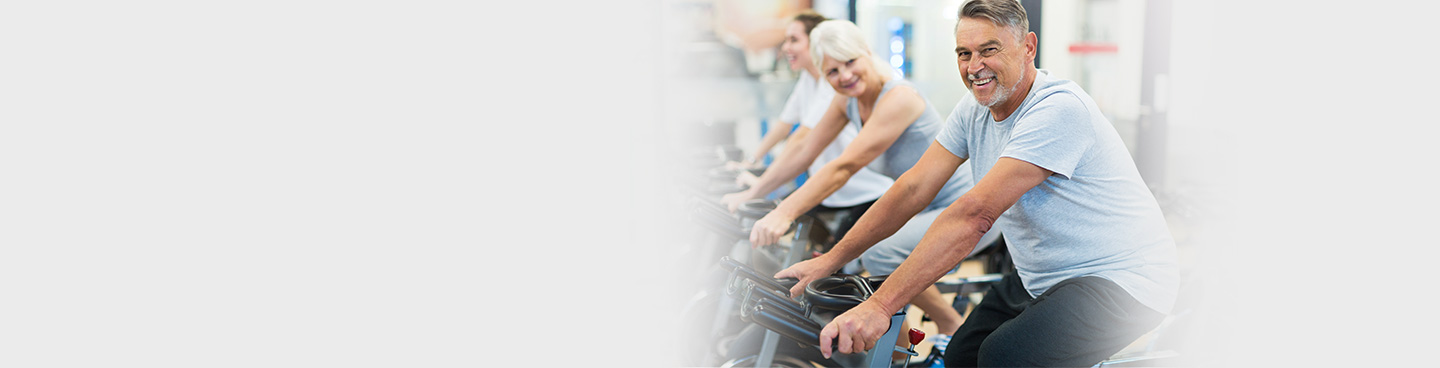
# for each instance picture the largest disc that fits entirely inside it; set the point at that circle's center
(801, 242)
(797, 248)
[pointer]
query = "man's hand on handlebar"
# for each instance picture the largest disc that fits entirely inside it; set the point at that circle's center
(806, 271)
(856, 330)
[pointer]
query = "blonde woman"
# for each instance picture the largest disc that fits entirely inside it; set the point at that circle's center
(807, 105)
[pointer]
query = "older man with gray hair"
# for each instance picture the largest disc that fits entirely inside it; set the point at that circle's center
(1095, 265)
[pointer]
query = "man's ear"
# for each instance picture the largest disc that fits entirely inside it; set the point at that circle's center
(1032, 43)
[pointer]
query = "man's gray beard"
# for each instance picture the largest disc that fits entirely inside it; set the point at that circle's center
(1001, 94)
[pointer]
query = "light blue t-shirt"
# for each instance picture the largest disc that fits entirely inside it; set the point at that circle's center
(912, 143)
(1094, 216)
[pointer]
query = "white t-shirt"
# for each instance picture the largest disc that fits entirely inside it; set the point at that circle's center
(807, 104)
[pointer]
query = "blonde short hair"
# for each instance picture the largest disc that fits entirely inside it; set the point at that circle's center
(838, 39)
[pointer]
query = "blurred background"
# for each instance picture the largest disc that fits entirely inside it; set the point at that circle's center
(728, 71)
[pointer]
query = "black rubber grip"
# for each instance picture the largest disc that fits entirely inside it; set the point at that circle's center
(721, 224)
(777, 285)
(781, 299)
(837, 293)
(804, 331)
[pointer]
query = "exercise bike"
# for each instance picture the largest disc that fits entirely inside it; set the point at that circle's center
(719, 332)
(765, 301)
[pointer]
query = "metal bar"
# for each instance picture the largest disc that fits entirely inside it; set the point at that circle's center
(1163, 354)
(780, 300)
(801, 242)
(767, 349)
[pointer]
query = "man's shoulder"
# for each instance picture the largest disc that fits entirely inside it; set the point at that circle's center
(1057, 96)
(1051, 89)
(1059, 106)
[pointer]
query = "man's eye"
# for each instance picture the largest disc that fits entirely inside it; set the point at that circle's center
(852, 61)
(991, 51)
(963, 55)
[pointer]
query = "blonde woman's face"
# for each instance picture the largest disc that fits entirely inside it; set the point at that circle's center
(848, 77)
(796, 47)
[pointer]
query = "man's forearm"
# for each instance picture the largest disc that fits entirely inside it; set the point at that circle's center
(948, 241)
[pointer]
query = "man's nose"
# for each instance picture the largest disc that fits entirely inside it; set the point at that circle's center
(974, 66)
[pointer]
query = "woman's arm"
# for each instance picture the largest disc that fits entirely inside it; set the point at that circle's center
(796, 159)
(796, 142)
(777, 133)
(893, 113)
(907, 197)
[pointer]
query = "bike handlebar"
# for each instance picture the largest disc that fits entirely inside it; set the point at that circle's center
(768, 305)
(718, 220)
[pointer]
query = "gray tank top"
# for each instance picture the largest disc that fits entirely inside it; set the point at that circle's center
(907, 149)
